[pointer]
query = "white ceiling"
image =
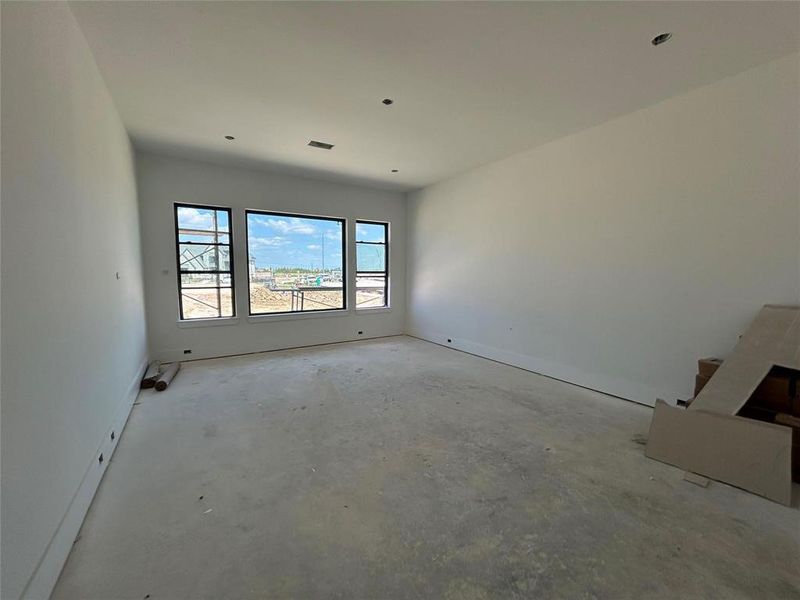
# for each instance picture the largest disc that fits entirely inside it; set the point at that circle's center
(472, 82)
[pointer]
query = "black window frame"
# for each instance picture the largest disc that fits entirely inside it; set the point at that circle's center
(270, 213)
(231, 272)
(385, 272)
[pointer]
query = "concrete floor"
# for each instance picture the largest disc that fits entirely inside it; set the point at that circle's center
(395, 468)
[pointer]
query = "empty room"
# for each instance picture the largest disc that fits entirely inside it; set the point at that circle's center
(388, 300)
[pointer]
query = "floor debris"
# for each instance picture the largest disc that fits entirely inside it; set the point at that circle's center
(695, 479)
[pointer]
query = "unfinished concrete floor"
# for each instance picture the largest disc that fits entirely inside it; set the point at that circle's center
(396, 468)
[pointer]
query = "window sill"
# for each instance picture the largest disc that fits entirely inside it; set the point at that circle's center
(213, 322)
(296, 316)
(374, 310)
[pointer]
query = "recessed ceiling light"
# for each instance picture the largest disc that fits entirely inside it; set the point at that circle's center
(387, 101)
(323, 145)
(660, 39)
(229, 137)
(394, 170)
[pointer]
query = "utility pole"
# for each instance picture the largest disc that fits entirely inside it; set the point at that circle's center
(323, 251)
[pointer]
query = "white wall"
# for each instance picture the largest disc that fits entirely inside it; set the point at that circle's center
(73, 335)
(164, 180)
(616, 257)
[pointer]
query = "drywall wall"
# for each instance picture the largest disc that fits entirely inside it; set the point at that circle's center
(616, 257)
(164, 180)
(73, 333)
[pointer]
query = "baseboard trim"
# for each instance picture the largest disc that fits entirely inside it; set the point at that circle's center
(48, 570)
(169, 356)
(625, 390)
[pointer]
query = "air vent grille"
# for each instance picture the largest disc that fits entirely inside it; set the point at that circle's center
(323, 145)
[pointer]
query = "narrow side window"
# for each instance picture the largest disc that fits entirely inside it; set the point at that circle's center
(372, 264)
(203, 242)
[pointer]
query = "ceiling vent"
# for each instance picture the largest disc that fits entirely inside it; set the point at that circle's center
(323, 145)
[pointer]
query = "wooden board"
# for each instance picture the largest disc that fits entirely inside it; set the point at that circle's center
(752, 455)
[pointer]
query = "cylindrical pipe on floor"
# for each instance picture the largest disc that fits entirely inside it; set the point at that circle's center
(151, 375)
(167, 376)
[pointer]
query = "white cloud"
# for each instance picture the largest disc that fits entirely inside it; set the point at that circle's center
(193, 218)
(314, 247)
(259, 243)
(256, 219)
(287, 226)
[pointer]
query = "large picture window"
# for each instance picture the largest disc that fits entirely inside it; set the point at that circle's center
(295, 263)
(205, 261)
(372, 264)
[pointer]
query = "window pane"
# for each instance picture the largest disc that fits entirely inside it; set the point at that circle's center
(226, 302)
(200, 303)
(195, 219)
(204, 280)
(204, 240)
(199, 257)
(205, 303)
(264, 300)
(370, 232)
(372, 270)
(222, 220)
(370, 291)
(370, 257)
(195, 280)
(202, 225)
(296, 263)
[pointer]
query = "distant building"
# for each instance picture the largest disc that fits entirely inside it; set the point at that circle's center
(204, 258)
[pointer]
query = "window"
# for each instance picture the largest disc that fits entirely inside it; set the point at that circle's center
(295, 263)
(372, 264)
(205, 261)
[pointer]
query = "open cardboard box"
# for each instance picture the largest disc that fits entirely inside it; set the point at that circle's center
(776, 400)
(779, 392)
(710, 439)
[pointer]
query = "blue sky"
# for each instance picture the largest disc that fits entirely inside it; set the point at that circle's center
(201, 219)
(281, 241)
(278, 241)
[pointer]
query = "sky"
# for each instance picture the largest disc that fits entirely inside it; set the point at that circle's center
(283, 241)
(201, 219)
(278, 241)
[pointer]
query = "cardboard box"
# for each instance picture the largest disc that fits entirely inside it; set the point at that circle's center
(778, 392)
(753, 455)
(707, 366)
(699, 382)
(794, 423)
(710, 437)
